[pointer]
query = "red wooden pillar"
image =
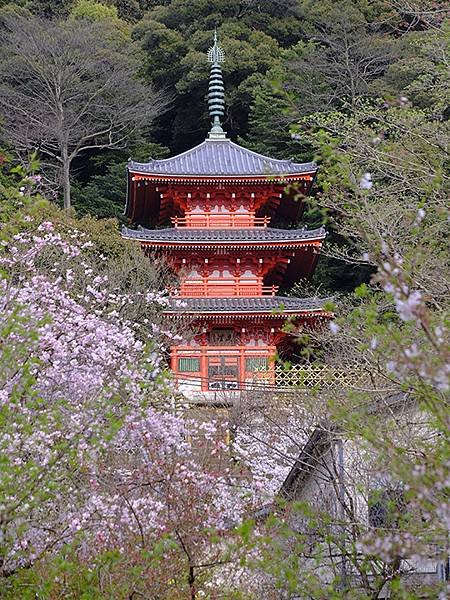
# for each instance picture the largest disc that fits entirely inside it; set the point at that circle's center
(241, 367)
(174, 361)
(203, 363)
(271, 363)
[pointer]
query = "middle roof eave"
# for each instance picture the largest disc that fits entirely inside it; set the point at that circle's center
(276, 305)
(241, 236)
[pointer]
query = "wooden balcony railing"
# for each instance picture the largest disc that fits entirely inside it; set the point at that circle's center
(317, 376)
(221, 289)
(251, 368)
(220, 220)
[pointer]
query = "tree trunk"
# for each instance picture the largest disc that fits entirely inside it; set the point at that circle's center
(191, 581)
(66, 180)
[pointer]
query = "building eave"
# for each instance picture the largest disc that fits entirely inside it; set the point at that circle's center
(232, 245)
(249, 314)
(231, 179)
(220, 159)
(152, 238)
(267, 307)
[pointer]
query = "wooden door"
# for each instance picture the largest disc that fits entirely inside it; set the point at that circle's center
(223, 372)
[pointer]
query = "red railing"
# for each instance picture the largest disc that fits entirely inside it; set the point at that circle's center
(220, 220)
(223, 289)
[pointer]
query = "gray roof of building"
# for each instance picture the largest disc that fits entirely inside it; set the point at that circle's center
(207, 235)
(308, 461)
(221, 157)
(268, 304)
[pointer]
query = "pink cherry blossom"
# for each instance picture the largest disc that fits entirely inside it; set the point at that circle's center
(92, 445)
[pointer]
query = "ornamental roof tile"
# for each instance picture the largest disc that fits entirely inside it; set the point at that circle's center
(262, 304)
(221, 157)
(207, 235)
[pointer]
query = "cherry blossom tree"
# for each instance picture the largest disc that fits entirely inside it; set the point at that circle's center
(96, 455)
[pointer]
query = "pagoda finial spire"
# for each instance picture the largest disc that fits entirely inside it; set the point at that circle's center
(216, 91)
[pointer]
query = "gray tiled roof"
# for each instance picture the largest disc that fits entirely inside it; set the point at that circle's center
(268, 304)
(204, 235)
(221, 157)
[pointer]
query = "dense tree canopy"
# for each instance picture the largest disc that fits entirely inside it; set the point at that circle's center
(69, 88)
(109, 487)
(284, 60)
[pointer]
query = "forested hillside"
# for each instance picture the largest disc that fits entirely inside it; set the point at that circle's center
(111, 487)
(290, 65)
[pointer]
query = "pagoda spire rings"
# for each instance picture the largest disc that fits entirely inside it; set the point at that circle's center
(216, 91)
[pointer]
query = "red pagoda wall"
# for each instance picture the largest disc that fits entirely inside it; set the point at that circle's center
(229, 351)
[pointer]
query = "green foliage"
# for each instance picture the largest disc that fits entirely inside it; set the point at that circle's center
(245, 530)
(104, 194)
(164, 48)
(50, 8)
(175, 37)
(20, 197)
(269, 130)
(24, 207)
(94, 11)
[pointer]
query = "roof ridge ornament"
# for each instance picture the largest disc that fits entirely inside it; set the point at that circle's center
(216, 90)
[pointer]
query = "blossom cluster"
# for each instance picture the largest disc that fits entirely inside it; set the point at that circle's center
(411, 307)
(269, 444)
(91, 452)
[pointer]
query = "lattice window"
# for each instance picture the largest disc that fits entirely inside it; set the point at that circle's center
(188, 365)
(223, 370)
(256, 363)
(223, 367)
(317, 376)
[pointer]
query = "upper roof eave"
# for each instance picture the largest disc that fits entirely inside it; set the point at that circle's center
(231, 178)
(221, 159)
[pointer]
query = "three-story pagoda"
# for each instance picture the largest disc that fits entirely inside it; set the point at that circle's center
(220, 199)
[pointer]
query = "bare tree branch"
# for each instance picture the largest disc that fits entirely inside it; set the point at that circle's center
(70, 87)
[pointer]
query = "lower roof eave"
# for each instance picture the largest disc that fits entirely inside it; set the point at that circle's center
(215, 237)
(249, 314)
(233, 245)
(266, 307)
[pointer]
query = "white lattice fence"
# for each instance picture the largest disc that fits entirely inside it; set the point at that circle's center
(317, 376)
